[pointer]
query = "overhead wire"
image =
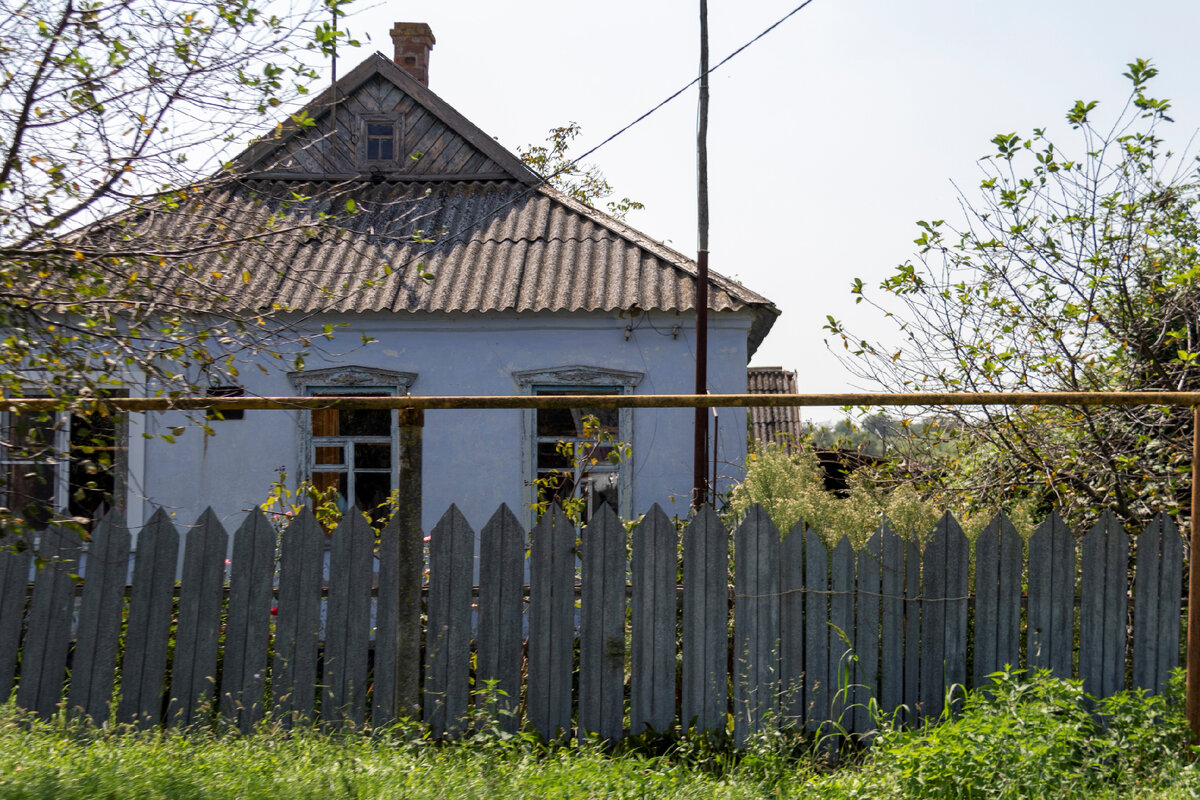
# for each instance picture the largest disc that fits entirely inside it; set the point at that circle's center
(545, 180)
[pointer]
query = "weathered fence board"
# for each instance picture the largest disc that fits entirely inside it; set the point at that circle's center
(602, 627)
(755, 623)
(944, 615)
(448, 643)
(248, 622)
(151, 603)
(841, 633)
(386, 672)
(298, 619)
(652, 626)
(44, 655)
(16, 557)
(705, 622)
(348, 621)
(1051, 618)
(912, 631)
(100, 612)
(891, 621)
(998, 556)
(1157, 592)
(817, 672)
(194, 670)
(498, 641)
(551, 623)
(791, 626)
(1103, 606)
(866, 630)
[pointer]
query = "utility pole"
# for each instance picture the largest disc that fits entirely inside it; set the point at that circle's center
(700, 456)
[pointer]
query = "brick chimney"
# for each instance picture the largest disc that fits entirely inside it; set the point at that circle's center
(413, 42)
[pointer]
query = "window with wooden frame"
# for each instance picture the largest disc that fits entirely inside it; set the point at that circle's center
(353, 452)
(55, 465)
(572, 449)
(381, 139)
(565, 459)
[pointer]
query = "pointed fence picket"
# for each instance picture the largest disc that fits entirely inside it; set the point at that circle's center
(816, 630)
(201, 597)
(15, 562)
(448, 638)
(348, 622)
(1156, 596)
(602, 627)
(48, 637)
(498, 638)
(653, 624)
(1104, 592)
(298, 619)
(551, 624)
(151, 604)
(100, 613)
(998, 553)
(705, 644)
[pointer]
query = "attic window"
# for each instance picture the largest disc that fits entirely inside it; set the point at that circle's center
(380, 138)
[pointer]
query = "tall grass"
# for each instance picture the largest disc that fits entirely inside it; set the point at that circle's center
(1021, 738)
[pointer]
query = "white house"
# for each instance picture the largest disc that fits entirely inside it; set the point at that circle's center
(468, 275)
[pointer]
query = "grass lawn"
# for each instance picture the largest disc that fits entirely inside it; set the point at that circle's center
(1038, 738)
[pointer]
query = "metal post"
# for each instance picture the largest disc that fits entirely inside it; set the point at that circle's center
(412, 564)
(1192, 706)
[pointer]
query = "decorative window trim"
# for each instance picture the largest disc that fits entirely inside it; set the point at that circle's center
(568, 377)
(397, 123)
(577, 376)
(344, 378)
(353, 375)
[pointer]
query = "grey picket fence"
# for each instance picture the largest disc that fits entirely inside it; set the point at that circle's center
(600, 632)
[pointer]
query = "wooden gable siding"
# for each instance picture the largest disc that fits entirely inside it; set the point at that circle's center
(428, 146)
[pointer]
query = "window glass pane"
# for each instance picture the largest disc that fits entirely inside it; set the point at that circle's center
(554, 487)
(30, 491)
(384, 129)
(385, 150)
(97, 450)
(371, 490)
(324, 481)
(365, 422)
(29, 435)
(569, 422)
(372, 456)
(330, 455)
(548, 457)
(600, 488)
(557, 422)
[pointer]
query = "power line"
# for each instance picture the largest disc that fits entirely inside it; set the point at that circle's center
(545, 180)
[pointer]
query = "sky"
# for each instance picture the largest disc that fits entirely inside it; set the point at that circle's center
(828, 138)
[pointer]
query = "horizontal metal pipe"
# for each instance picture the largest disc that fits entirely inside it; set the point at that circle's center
(867, 399)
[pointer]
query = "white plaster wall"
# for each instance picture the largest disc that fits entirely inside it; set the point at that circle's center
(471, 458)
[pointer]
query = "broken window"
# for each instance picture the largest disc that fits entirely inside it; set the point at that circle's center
(573, 450)
(352, 453)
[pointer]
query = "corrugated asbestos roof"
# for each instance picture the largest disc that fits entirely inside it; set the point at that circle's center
(483, 246)
(777, 424)
(296, 232)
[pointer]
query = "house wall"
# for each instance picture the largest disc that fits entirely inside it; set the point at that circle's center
(472, 458)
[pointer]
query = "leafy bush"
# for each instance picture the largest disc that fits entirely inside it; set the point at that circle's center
(1026, 737)
(792, 488)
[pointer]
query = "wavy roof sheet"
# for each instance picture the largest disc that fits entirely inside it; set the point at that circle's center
(455, 223)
